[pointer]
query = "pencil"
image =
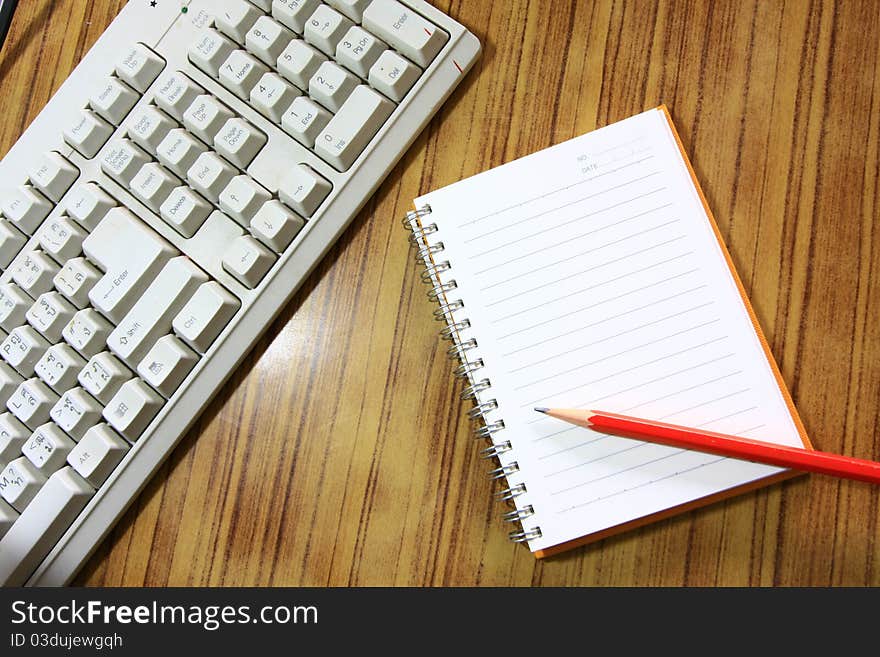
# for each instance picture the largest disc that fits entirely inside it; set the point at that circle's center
(721, 444)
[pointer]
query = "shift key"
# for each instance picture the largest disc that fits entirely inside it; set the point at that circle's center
(130, 254)
(150, 317)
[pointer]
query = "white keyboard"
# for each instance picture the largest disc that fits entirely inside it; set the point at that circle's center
(158, 214)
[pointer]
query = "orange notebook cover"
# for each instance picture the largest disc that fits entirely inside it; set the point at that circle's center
(593, 274)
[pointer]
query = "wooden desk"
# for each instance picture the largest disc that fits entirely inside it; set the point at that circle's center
(340, 455)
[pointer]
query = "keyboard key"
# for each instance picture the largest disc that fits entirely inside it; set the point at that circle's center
(304, 120)
(47, 448)
(272, 96)
(26, 208)
(267, 39)
(294, 13)
(88, 133)
(19, 482)
(176, 93)
(205, 117)
(9, 381)
(239, 142)
(114, 101)
(240, 73)
(87, 332)
(34, 273)
(31, 402)
(22, 348)
(185, 211)
(75, 280)
(12, 436)
(59, 366)
(299, 62)
(14, 303)
(179, 151)
(166, 365)
(53, 175)
(209, 175)
(132, 409)
(210, 51)
(275, 226)
(103, 375)
(127, 271)
(242, 198)
(42, 524)
(325, 29)
(302, 189)
(76, 412)
(11, 242)
(62, 238)
(205, 315)
(404, 30)
(88, 204)
(332, 85)
(148, 126)
(122, 160)
(153, 184)
(150, 317)
(354, 9)
(359, 50)
(248, 260)
(97, 454)
(140, 67)
(50, 314)
(236, 19)
(393, 75)
(353, 127)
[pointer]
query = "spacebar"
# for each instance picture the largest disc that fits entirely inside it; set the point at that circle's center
(41, 525)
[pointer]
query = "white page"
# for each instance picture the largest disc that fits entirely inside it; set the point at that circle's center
(592, 279)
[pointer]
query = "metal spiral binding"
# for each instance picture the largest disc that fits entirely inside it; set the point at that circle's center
(460, 350)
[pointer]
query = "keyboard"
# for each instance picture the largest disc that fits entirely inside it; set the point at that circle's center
(161, 210)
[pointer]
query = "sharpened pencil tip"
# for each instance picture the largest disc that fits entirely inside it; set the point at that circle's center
(541, 409)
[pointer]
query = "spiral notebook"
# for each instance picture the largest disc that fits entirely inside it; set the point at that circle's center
(592, 275)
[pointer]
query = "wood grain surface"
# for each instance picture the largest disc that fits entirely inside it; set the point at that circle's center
(339, 454)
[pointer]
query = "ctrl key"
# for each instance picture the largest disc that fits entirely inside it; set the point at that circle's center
(205, 315)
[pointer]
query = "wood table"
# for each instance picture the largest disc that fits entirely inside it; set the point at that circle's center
(339, 453)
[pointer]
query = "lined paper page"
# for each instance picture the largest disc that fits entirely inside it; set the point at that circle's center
(592, 279)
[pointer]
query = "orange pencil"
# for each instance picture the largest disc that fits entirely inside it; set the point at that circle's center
(758, 451)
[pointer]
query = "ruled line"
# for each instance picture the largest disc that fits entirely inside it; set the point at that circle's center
(644, 383)
(591, 461)
(590, 250)
(555, 433)
(624, 371)
(626, 410)
(573, 239)
(482, 254)
(611, 317)
(725, 417)
(678, 392)
(599, 360)
(705, 403)
(595, 267)
(592, 305)
(555, 191)
(573, 447)
(647, 483)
